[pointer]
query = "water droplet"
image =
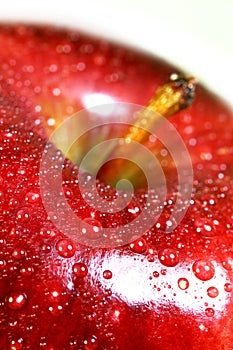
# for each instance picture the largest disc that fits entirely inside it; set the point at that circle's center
(65, 248)
(139, 246)
(183, 283)
(228, 287)
(203, 270)
(32, 197)
(16, 344)
(22, 216)
(2, 264)
(227, 263)
(107, 274)
(46, 248)
(209, 312)
(80, 270)
(16, 300)
(46, 233)
(91, 228)
(18, 253)
(56, 309)
(26, 271)
(90, 343)
(156, 274)
(212, 292)
(205, 227)
(168, 257)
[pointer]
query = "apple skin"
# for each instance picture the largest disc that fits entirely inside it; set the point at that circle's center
(168, 291)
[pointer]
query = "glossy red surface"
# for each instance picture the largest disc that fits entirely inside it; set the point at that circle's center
(167, 291)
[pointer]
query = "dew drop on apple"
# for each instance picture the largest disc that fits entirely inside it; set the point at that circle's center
(2, 265)
(56, 309)
(156, 274)
(16, 300)
(139, 246)
(90, 343)
(209, 311)
(18, 253)
(107, 274)
(212, 292)
(16, 344)
(205, 227)
(91, 228)
(26, 271)
(203, 270)
(183, 283)
(22, 216)
(32, 197)
(228, 287)
(80, 269)
(227, 263)
(168, 257)
(65, 248)
(46, 248)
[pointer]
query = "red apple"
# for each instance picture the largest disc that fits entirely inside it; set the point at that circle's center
(162, 291)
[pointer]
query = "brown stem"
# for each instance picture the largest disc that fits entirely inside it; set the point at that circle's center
(170, 98)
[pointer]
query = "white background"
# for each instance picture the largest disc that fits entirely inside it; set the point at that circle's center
(196, 35)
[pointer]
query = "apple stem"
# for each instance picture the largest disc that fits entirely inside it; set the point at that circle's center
(178, 93)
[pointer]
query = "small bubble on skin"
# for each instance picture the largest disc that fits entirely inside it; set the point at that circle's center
(65, 248)
(22, 216)
(183, 283)
(203, 270)
(156, 274)
(90, 343)
(32, 197)
(18, 253)
(26, 271)
(209, 312)
(228, 287)
(107, 274)
(91, 228)
(2, 265)
(46, 248)
(139, 246)
(212, 292)
(46, 233)
(16, 344)
(16, 300)
(205, 227)
(227, 263)
(80, 270)
(168, 257)
(56, 310)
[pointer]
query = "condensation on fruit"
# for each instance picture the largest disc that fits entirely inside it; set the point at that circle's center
(91, 228)
(203, 270)
(212, 292)
(209, 311)
(80, 269)
(90, 343)
(16, 300)
(16, 344)
(168, 257)
(183, 283)
(205, 227)
(107, 274)
(139, 246)
(22, 216)
(65, 248)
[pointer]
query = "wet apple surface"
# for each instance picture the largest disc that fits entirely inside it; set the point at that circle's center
(161, 291)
